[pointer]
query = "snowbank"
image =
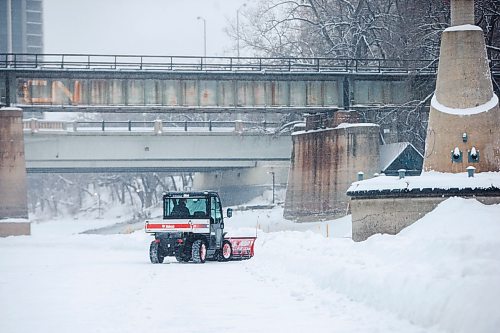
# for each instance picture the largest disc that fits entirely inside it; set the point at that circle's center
(442, 272)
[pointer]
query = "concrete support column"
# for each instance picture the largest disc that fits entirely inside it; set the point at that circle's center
(462, 12)
(13, 192)
(324, 163)
(463, 79)
(465, 114)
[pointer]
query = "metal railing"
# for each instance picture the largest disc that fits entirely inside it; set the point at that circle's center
(210, 64)
(157, 126)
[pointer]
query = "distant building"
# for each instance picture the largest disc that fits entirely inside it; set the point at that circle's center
(21, 26)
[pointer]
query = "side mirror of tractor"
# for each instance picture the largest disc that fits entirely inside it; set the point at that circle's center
(229, 212)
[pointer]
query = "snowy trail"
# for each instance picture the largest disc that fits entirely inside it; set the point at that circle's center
(88, 283)
(441, 273)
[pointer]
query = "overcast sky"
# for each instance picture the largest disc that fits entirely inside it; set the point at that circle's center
(156, 27)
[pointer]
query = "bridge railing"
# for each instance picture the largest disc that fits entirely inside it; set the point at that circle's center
(157, 126)
(210, 64)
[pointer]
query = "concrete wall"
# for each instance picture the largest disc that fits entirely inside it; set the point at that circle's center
(13, 195)
(384, 215)
(323, 166)
(15, 229)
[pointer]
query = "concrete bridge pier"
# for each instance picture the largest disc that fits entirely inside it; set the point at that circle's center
(238, 186)
(464, 117)
(13, 193)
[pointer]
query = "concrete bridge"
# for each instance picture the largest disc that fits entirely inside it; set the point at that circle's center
(112, 83)
(131, 147)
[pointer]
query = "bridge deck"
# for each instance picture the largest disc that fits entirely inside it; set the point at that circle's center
(93, 150)
(120, 83)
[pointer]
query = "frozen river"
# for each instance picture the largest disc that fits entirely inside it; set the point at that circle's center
(298, 281)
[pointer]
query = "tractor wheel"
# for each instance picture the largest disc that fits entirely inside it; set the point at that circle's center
(155, 253)
(226, 252)
(199, 251)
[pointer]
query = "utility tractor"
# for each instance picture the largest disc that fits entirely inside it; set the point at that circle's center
(192, 229)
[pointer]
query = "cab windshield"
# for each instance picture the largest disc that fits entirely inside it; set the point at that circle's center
(183, 207)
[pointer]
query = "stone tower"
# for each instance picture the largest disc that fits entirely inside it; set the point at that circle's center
(464, 119)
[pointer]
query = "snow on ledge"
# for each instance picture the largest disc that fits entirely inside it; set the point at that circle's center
(463, 27)
(346, 125)
(429, 180)
(14, 220)
(468, 111)
(342, 125)
(312, 131)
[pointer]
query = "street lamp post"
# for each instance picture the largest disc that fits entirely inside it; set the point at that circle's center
(204, 35)
(272, 173)
(238, 29)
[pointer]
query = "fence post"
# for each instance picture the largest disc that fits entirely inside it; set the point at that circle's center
(34, 125)
(210, 125)
(185, 126)
(238, 126)
(158, 127)
(102, 124)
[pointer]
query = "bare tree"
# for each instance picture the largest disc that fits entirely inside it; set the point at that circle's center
(55, 194)
(398, 30)
(343, 28)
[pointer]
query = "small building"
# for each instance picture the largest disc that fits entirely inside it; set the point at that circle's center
(400, 155)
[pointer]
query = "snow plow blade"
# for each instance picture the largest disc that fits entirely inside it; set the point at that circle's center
(242, 247)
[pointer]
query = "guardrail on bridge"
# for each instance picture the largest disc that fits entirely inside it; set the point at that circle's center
(216, 64)
(157, 126)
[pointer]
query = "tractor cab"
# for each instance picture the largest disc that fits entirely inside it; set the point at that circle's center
(198, 208)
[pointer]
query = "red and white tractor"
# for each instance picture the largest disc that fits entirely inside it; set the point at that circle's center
(192, 229)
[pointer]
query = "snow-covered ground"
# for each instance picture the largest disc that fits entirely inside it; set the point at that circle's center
(442, 274)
